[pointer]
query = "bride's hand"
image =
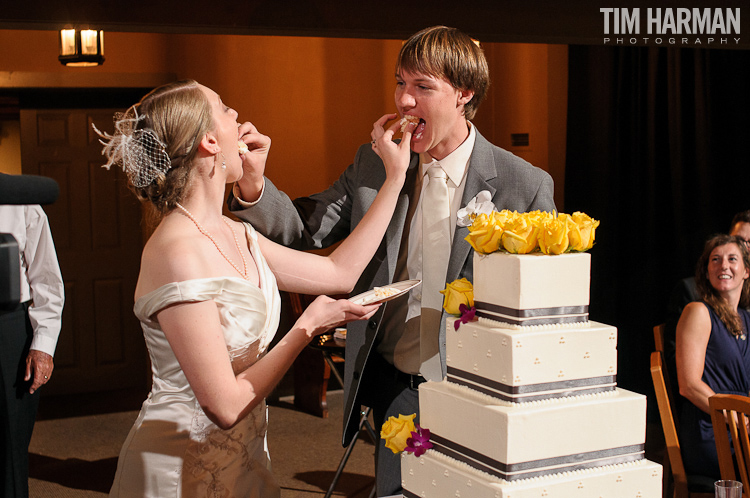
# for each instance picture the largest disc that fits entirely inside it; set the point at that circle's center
(395, 156)
(325, 314)
(253, 161)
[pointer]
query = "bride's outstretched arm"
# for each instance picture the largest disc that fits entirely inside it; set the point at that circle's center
(195, 335)
(337, 273)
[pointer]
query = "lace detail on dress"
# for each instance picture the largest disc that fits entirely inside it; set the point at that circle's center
(206, 463)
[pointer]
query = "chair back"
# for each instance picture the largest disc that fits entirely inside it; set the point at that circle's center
(659, 342)
(659, 337)
(669, 427)
(729, 415)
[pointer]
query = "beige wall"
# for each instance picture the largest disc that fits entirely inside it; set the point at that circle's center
(318, 97)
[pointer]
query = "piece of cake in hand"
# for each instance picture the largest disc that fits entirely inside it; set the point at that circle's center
(242, 146)
(408, 119)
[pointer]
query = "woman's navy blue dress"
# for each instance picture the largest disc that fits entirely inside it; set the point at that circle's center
(726, 372)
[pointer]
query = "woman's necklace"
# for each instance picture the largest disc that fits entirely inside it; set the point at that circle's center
(202, 230)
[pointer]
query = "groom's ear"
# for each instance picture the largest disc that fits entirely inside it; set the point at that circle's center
(210, 143)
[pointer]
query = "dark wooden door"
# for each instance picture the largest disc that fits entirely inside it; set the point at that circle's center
(96, 225)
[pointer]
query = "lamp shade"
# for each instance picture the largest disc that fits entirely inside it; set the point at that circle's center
(81, 47)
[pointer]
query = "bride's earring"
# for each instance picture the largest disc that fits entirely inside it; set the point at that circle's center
(223, 160)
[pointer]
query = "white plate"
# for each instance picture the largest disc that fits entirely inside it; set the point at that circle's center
(370, 297)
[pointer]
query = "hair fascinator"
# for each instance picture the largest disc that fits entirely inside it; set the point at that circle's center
(139, 152)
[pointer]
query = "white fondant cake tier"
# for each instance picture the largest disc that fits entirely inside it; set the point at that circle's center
(435, 476)
(531, 289)
(522, 440)
(532, 363)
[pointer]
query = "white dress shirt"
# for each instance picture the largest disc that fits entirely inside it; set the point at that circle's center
(41, 281)
(402, 349)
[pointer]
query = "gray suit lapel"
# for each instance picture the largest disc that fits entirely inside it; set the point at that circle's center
(481, 170)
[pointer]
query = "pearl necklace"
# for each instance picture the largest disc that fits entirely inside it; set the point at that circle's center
(202, 230)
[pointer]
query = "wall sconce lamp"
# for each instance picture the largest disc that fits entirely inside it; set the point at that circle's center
(81, 47)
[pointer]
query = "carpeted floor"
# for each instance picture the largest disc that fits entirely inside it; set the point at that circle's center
(76, 456)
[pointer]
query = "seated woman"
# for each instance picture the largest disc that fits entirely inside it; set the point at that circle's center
(713, 354)
(208, 300)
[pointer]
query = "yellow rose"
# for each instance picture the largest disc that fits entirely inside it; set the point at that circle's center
(396, 431)
(582, 232)
(540, 216)
(521, 234)
(553, 235)
(484, 234)
(501, 218)
(457, 293)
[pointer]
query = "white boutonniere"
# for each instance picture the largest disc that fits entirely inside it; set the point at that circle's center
(480, 204)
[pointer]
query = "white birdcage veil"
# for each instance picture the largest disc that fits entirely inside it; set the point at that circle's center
(139, 152)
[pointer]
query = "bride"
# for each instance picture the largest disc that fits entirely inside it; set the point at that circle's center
(207, 295)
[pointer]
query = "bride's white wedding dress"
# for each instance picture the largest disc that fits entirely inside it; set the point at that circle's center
(173, 449)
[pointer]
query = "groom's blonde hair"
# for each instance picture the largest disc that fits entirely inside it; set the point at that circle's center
(450, 54)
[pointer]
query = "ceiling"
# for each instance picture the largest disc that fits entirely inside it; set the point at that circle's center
(530, 21)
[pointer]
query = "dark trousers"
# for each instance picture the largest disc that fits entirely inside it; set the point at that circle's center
(388, 397)
(17, 407)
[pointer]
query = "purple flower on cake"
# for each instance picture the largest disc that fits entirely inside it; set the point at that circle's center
(419, 442)
(402, 434)
(467, 315)
(481, 204)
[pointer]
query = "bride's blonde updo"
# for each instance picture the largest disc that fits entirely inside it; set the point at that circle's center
(156, 140)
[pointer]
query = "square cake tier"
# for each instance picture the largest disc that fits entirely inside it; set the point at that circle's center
(532, 289)
(532, 363)
(522, 440)
(436, 476)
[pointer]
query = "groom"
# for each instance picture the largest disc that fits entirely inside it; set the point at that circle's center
(441, 78)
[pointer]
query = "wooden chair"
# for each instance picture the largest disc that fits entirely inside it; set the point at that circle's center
(659, 337)
(729, 415)
(659, 342)
(684, 487)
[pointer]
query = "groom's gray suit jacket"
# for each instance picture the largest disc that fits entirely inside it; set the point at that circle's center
(323, 219)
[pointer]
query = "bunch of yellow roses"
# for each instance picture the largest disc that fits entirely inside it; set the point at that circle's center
(535, 231)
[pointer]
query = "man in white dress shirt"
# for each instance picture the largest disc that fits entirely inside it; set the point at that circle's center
(28, 337)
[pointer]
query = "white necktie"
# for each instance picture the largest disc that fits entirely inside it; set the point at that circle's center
(436, 248)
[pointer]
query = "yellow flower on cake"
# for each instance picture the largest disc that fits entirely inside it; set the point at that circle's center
(485, 234)
(540, 216)
(521, 233)
(457, 293)
(501, 218)
(396, 431)
(524, 233)
(553, 234)
(582, 232)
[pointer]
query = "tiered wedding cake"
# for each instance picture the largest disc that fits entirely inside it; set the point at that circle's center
(530, 406)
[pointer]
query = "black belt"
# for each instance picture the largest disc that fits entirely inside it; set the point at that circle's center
(411, 380)
(14, 308)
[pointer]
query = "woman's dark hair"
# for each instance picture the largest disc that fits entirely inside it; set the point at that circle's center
(726, 314)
